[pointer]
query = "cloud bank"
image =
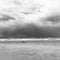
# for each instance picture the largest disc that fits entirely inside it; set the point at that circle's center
(29, 18)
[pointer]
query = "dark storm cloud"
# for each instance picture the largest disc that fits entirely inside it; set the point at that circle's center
(37, 29)
(31, 31)
(6, 17)
(54, 19)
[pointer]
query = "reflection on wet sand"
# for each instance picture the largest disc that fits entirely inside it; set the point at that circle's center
(28, 51)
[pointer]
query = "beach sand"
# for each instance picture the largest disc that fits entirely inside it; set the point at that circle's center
(29, 51)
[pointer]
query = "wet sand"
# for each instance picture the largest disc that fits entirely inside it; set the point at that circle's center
(29, 51)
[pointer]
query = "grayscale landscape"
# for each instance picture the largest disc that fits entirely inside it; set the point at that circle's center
(29, 29)
(29, 50)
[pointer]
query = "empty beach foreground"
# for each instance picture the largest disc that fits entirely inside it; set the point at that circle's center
(29, 51)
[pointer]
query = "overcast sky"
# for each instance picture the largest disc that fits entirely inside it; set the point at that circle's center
(30, 18)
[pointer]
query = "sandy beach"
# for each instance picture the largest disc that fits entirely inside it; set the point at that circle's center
(29, 51)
